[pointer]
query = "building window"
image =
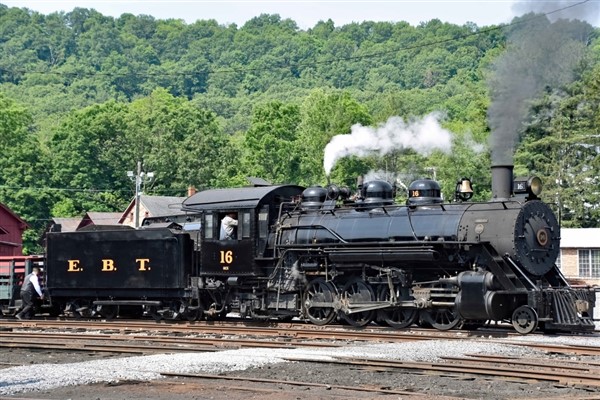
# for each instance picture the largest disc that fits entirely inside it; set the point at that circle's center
(589, 263)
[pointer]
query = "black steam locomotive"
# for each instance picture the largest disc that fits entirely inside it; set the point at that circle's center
(324, 255)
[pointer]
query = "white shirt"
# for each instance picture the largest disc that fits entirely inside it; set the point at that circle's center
(33, 279)
(227, 225)
(36, 284)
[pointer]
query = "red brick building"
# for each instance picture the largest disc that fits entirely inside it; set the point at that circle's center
(11, 232)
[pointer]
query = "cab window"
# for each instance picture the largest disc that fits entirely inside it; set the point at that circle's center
(245, 227)
(229, 226)
(208, 226)
(263, 223)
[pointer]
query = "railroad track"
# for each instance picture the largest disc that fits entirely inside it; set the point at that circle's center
(219, 335)
(141, 344)
(149, 337)
(559, 372)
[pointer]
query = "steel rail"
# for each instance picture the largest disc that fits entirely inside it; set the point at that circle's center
(336, 333)
(130, 344)
(554, 374)
(293, 383)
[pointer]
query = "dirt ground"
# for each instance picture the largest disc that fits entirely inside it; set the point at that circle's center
(329, 381)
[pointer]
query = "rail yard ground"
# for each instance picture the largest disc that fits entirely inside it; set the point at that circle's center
(328, 372)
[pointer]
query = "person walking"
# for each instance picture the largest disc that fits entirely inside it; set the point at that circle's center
(31, 286)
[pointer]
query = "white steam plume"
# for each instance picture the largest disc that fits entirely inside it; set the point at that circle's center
(423, 136)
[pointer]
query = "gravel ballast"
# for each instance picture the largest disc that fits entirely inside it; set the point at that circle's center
(47, 376)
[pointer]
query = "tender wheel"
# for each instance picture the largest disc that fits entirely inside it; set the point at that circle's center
(398, 318)
(152, 312)
(109, 312)
(356, 293)
(194, 312)
(525, 320)
(80, 309)
(175, 311)
(318, 302)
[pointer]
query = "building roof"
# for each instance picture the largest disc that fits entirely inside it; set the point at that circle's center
(162, 205)
(67, 224)
(22, 224)
(157, 206)
(99, 218)
(580, 238)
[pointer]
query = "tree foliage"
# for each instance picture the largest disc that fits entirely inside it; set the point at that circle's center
(84, 97)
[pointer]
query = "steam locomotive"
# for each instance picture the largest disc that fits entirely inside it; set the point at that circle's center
(326, 254)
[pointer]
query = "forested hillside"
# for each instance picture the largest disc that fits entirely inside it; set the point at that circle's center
(84, 96)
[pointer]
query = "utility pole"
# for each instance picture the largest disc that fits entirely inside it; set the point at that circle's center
(139, 178)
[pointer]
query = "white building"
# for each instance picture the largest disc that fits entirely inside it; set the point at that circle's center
(580, 254)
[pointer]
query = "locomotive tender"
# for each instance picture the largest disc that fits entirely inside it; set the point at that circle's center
(320, 255)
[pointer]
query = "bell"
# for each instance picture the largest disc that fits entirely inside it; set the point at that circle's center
(465, 186)
(464, 190)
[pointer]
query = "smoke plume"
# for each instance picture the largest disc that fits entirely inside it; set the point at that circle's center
(541, 54)
(423, 136)
(565, 9)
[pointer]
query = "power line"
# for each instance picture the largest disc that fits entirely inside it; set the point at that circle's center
(61, 189)
(81, 190)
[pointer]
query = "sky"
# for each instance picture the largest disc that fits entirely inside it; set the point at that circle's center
(305, 13)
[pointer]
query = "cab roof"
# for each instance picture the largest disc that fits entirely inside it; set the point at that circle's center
(240, 198)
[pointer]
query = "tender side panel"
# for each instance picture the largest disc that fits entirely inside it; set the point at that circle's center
(144, 259)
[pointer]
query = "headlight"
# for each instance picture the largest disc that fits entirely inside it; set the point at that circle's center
(531, 187)
(535, 186)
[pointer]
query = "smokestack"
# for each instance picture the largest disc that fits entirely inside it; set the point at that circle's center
(191, 191)
(502, 182)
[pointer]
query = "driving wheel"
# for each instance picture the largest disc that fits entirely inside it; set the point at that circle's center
(396, 317)
(357, 293)
(318, 302)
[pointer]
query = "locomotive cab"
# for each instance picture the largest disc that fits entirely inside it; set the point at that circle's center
(246, 253)
(226, 254)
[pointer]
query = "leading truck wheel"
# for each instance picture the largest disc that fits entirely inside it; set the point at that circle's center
(525, 320)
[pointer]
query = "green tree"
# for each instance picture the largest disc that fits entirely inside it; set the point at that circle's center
(181, 143)
(269, 143)
(324, 114)
(23, 180)
(89, 159)
(561, 145)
